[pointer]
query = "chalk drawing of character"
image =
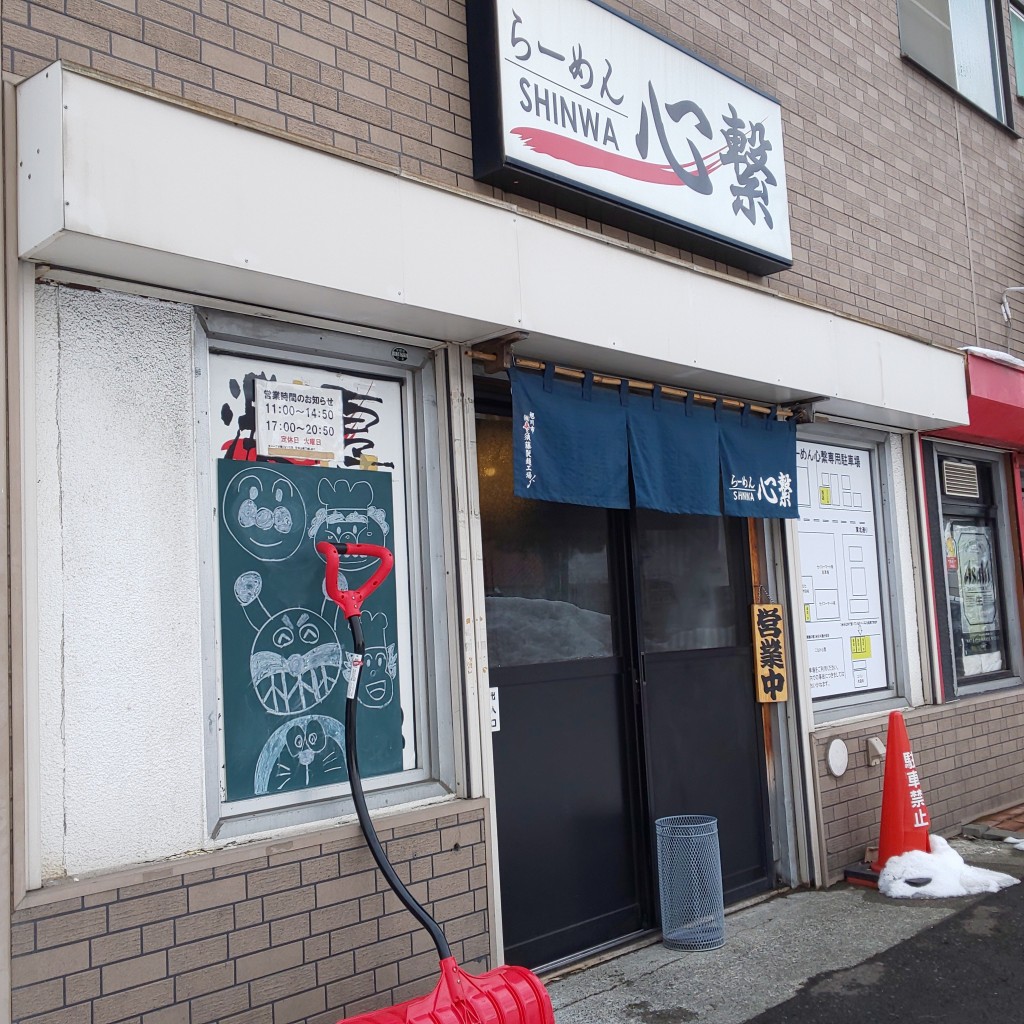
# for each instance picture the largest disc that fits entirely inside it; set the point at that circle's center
(304, 752)
(296, 656)
(265, 513)
(348, 516)
(380, 666)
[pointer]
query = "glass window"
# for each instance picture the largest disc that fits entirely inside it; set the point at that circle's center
(278, 651)
(688, 585)
(546, 578)
(977, 574)
(956, 40)
(1017, 34)
(975, 609)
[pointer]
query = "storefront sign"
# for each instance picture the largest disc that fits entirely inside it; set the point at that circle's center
(571, 98)
(582, 444)
(769, 654)
(839, 558)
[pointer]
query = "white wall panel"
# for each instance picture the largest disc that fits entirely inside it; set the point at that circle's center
(120, 691)
(50, 611)
(166, 196)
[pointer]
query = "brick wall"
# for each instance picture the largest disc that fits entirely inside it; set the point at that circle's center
(300, 933)
(904, 200)
(970, 755)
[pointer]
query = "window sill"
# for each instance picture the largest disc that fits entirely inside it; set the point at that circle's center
(850, 712)
(964, 690)
(288, 847)
(236, 822)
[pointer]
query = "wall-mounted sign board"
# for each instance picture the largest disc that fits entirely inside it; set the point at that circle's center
(840, 555)
(576, 106)
(770, 672)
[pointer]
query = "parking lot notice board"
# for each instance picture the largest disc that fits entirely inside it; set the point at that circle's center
(839, 559)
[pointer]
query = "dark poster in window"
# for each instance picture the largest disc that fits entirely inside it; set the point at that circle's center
(974, 610)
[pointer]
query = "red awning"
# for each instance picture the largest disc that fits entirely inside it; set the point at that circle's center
(995, 401)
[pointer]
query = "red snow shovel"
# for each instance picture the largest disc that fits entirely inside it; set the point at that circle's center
(506, 995)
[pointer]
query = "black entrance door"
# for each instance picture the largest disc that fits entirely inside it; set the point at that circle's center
(619, 645)
(702, 727)
(570, 827)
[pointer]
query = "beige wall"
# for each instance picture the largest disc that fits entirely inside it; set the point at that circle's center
(904, 200)
(905, 212)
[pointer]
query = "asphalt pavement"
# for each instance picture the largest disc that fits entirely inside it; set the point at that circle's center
(968, 967)
(840, 956)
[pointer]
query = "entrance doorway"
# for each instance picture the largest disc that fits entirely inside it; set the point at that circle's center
(619, 643)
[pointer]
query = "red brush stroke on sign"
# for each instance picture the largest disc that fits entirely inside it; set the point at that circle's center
(580, 154)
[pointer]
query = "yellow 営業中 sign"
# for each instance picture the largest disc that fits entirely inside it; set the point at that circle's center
(769, 654)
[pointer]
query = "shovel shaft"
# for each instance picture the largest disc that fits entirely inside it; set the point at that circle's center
(505, 995)
(365, 822)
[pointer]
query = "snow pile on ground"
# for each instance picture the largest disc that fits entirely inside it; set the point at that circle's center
(948, 873)
(1016, 842)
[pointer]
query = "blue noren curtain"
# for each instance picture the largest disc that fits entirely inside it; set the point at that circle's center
(569, 440)
(758, 459)
(577, 444)
(673, 446)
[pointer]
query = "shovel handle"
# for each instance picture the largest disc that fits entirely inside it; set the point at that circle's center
(351, 601)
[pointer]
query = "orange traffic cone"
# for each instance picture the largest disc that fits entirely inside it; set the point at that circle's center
(904, 814)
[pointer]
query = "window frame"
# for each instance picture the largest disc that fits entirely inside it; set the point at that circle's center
(435, 696)
(1009, 590)
(1017, 11)
(891, 588)
(1000, 72)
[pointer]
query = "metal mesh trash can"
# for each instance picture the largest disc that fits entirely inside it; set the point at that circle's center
(690, 882)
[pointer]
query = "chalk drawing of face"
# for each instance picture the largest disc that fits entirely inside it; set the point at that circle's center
(380, 664)
(307, 751)
(348, 516)
(296, 656)
(265, 513)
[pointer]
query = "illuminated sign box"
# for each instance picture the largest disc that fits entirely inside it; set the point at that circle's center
(580, 108)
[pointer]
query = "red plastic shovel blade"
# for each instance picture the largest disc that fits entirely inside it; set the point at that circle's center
(506, 995)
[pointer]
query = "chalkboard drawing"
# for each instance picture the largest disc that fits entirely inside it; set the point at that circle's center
(302, 753)
(348, 515)
(328, 607)
(296, 656)
(380, 666)
(264, 512)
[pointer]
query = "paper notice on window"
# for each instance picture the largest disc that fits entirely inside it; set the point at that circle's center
(839, 560)
(295, 421)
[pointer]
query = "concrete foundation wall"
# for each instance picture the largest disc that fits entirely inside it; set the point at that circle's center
(969, 754)
(298, 931)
